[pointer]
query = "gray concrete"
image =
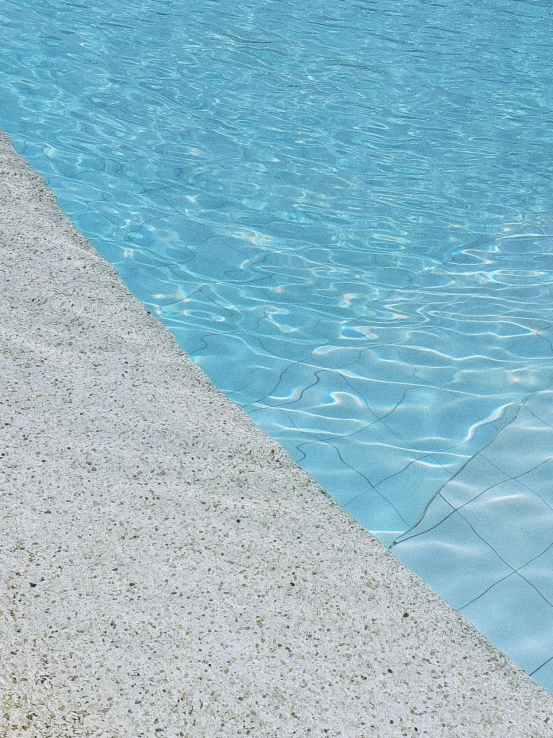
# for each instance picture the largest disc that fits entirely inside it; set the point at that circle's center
(168, 570)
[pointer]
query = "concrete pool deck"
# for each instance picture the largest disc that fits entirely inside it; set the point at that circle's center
(167, 569)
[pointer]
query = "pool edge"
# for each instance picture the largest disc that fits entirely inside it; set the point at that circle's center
(376, 646)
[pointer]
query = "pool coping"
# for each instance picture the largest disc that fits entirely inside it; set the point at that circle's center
(170, 571)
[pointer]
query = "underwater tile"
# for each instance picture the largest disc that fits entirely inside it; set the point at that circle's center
(381, 396)
(522, 445)
(540, 480)
(251, 382)
(539, 572)
(323, 462)
(377, 515)
(434, 419)
(411, 488)
(452, 558)
(436, 512)
(544, 675)
(541, 405)
(376, 451)
(475, 477)
(513, 520)
(517, 619)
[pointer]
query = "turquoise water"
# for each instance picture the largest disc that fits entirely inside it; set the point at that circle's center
(344, 212)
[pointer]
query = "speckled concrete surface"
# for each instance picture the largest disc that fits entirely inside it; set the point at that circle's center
(167, 570)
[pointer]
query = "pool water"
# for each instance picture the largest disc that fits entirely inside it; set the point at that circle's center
(344, 212)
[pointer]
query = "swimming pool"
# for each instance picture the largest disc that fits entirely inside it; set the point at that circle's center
(344, 213)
